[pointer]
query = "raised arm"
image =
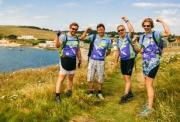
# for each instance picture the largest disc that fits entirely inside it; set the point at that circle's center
(129, 25)
(166, 31)
(83, 36)
(56, 40)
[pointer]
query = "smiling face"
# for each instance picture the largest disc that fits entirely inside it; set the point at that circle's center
(147, 27)
(121, 31)
(101, 31)
(73, 30)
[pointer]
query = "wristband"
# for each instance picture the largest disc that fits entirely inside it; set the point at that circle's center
(126, 21)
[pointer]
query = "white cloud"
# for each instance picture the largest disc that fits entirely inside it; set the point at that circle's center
(156, 5)
(168, 12)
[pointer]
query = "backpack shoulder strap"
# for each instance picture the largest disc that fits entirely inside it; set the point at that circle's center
(154, 38)
(77, 38)
(128, 39)
(91, 45)
(64, 43)
(60, 49)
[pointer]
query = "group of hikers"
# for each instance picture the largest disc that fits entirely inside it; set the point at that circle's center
(126, 48)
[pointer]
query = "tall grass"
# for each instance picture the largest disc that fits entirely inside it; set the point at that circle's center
(28, 95)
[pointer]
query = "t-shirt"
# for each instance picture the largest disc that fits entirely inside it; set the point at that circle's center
(100, 47)
(150, 48)
(70, 49)
(125, 48)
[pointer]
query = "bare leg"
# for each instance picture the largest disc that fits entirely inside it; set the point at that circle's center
(127, 79)
(150, 91)
(59, 82)
(70, 82)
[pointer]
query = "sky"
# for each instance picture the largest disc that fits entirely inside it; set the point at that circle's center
(58, 14)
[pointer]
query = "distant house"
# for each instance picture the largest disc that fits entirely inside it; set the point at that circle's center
(27, 37)
(47, 44)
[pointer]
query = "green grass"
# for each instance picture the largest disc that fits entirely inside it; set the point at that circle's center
(37, 33)
(28, 95)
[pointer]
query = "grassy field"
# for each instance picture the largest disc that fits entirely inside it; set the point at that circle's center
(28, 95)
(37, 33)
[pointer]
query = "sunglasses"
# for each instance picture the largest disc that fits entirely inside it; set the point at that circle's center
(74, 29)
(120, 30)
(147, 26)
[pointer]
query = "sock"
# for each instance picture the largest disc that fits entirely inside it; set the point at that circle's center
(90, 91)
(99, 91)
(57, 94)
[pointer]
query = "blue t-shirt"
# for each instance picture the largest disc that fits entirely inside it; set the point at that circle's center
(71, 47)
(125, 48)
(101, 45)
(150, 48)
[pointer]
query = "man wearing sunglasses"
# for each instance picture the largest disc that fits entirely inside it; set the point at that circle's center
(68, 45)
(127, 56)
(101, 48)
(150, 43)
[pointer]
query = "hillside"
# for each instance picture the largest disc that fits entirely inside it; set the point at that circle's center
(16, 30)
(29, 96)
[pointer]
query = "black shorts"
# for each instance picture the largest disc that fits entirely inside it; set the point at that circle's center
(127, 66)
(153, 72)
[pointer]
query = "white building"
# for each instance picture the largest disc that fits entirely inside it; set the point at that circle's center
(47, 44)
(27, 37)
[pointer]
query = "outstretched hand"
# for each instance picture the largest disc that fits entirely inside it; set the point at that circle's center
(159, 20)
(58, 33)
(88, 30)
(124, 18)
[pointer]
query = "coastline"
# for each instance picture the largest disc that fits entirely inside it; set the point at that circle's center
(9, 45)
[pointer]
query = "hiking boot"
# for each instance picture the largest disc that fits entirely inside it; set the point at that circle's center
(146, 112)
(130, 95)
(69, 93)
(100, 96)
(58, 99)
(123, 99)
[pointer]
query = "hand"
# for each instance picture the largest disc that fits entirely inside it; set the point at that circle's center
(58, 33)
(88, 30)
(159, 20)
(124, 18)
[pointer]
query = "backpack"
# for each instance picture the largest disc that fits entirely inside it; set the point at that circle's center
(158, 44)
(91, 46)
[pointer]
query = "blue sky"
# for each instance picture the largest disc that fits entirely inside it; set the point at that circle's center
(58, 14)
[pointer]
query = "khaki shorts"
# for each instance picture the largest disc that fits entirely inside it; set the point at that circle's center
(65, 72)
(95, 66)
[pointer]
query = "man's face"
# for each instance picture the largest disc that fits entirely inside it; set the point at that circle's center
(121, 31)
(147, 27)
(101, 31)
(73, 30)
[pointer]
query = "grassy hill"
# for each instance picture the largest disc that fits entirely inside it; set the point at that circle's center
(29, 96)
(20, 30)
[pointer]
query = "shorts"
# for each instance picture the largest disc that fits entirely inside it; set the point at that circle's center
(95, 66)
(127, 66)
(152, 73)
(65, 72)
(150, 67)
